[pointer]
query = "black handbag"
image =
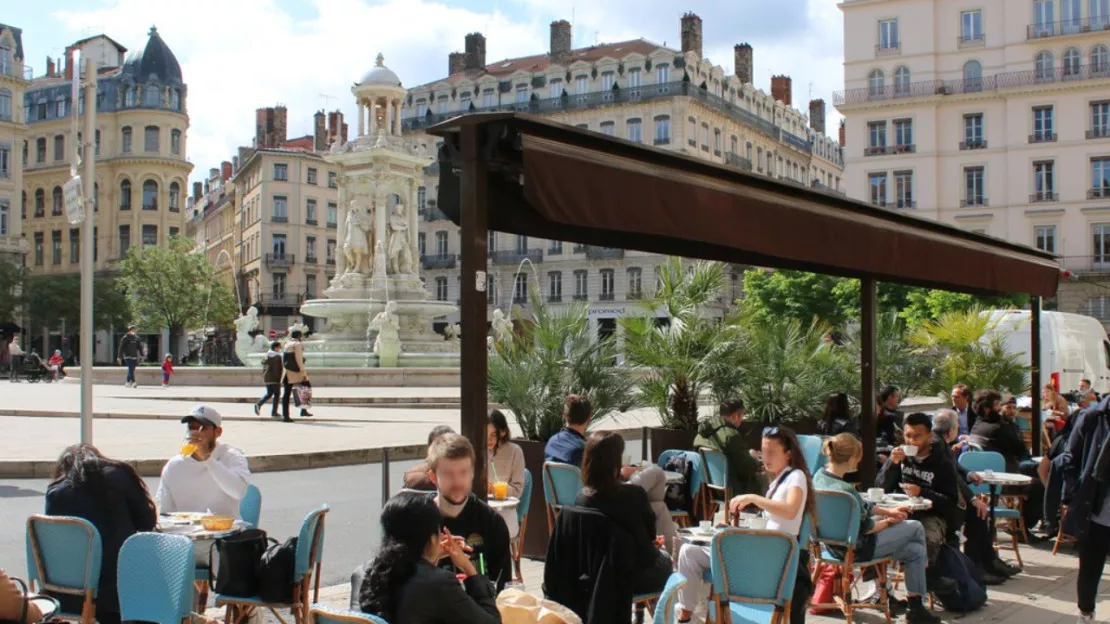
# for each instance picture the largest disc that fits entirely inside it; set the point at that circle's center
(233, 563)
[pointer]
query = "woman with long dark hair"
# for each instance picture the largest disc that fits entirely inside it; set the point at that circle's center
(837, 417)
(403, 584)
(506, 460)
(626, 505)
(109, 494)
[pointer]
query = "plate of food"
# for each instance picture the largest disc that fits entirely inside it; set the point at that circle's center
(897, 498)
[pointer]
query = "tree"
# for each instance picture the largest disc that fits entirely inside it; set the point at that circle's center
(169, 287)
(12, 277)
(53, 300)
(964, 349)
(896, 362)
(793, 294)
(111, 307)
(924, 305)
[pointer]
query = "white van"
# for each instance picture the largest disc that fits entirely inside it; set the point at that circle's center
(1073, 346)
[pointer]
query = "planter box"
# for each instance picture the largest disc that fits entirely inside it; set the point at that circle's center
(536, 536)
(665, 439)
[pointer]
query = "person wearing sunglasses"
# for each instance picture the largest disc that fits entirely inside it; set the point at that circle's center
(214, 478)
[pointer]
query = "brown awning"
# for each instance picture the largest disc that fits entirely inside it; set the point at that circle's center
(556, 182)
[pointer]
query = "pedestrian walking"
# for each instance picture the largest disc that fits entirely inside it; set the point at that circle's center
(272, 370)
(130, 350)
(1086, 475)
(167, 370)
(295, 374)
(15, 358)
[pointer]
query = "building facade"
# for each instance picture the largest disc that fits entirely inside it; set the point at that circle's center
(993, 115)
(636, 90)
(14, 79)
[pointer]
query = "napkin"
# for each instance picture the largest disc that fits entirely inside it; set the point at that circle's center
(518, 607)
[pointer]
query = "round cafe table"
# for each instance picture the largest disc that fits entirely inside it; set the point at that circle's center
(894, 501)
(507, 510)
(995, 481)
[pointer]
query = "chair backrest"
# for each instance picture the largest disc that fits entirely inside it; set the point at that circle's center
(250, 508)
(63, 554)
(811, 450)
(754, 566)
(716, 467)
(525, 497)
(664, 608)
(155, 578)
(310, 542)
(838, 518)
(321, 614)
(561, 483)
(978, 461)
(697, 472)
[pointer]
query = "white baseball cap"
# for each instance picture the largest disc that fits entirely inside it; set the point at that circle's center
(204, 415)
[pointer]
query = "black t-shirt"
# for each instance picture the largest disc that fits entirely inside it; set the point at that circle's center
(486, 534)
(628, 507)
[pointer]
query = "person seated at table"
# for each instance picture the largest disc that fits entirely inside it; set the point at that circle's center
(13, 602)
(417, 478)
(110, 495)
(837, 417)
(57, 364)
(213, 479)
(505, 459)
(1056, 409)
(930, 474)
(405, 581)
(626, 506)
(888, 423)
(965, 412)
(485, 532)
(722, 434)
(992, 433)
(893, 535)
(567, 446)
(789, 496)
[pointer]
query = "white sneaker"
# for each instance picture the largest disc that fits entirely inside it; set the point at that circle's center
(1086, 618)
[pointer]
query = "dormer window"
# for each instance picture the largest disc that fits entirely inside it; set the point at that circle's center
(152, 96)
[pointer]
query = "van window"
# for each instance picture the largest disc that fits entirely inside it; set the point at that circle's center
(1106, 348)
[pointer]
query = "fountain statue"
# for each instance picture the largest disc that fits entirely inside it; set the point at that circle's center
(501, 327)
(387, 346)
(245, 344)
(356, 246)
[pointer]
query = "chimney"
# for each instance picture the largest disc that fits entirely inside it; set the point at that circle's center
(206, 188)
(69, 62)
(691, 34)
(743, 61)
(49, 67)
(269, 127)
(456, 63)
(337, 130)
(475, 52)
(817, 116)
(561, 41)
(225, 171)
(234, 164)
(841, 133)
(198, 190)
(213, 173)
(780, 89)
(319, 131)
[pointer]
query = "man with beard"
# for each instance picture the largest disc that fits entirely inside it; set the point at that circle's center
(213, 478)
(451, 468)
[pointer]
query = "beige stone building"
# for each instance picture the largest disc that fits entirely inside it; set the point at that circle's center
(636, 90)
(992, 115)
(14, 79)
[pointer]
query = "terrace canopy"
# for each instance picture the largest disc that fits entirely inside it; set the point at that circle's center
(520, 174)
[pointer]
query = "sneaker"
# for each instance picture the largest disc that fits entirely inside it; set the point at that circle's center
(257, 409)
(305, 414)
(1002, 568)
(919, 614)
(1086, 618)
(990, 578)
(897, 607)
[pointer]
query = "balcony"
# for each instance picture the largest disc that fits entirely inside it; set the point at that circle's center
(973, 40)
(438, 261)
(1099, 192)
(1042, 137)
(905, 203)
(581, 297)
(1043, 196)
(634, 295)
(661, 141)
(555, 250)
(974, 202)
(514, 257)
(1099, 133)
(604, 253)
(579, 249)
(736, 160)
(279, 260)
(310, 222)
(552, 298)
(1086, 264)
(277, 219)
(607, 296)
(1069, 27)
(12, 70)
(892, 48)
(310, 259)
(903, 148)
(973, 144)
(281, 299)
(997, 82)
(330, 262)
(874, 150)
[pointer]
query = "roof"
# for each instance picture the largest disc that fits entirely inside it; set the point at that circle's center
(631, 196)
(540, 62)
(119, 46)
(155, 59)
(379, 74)
(17, 33)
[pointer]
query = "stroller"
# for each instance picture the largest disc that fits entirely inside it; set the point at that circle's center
(35, 371)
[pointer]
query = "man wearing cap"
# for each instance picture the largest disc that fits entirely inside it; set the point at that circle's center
(130, 350)
(213, 479)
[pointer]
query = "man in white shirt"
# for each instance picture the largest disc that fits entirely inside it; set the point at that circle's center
(15, 359)
(213, 479)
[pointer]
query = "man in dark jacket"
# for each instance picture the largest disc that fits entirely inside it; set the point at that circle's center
(272, 371)
(1086, 485)
(567, 446)
(993, 434)
(961, 404)
(130, 351)
(723, 434)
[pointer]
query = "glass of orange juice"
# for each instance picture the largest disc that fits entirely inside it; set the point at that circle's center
(500, 490)
(188, 447)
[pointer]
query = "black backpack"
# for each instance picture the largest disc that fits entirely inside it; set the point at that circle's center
(289, 359)
(275, 572)
(677, 495)
(969, 592)
(233, 563)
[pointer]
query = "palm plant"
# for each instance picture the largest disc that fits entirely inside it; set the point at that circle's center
(965, 349)
(896, 361)
(553, 354)
(675, 354)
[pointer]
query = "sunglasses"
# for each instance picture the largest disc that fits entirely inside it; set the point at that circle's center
(770, 431)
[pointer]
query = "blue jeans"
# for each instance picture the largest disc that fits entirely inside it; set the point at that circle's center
(131, 364)
(905, 542)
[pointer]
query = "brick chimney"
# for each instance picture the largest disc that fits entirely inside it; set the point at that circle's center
(337, 130)
(743, 63)
(198, 190)
(234, 164)
(319, 131)
(561, 40)
(225, 171)
(49, 67)
(691, 34)
(456, 63)
(817, 116)
(69, 62)
(781, 87)
(842, 142)
(475, 52)
(270, 127)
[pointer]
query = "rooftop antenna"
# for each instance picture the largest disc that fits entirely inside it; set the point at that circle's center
(597, 37)
(327, 100)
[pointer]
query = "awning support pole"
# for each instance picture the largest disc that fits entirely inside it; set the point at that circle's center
(1035, 370)
(474, 227)
(868, 392)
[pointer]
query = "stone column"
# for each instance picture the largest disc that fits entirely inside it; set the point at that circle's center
(340, 225)
(389, 118)
(373, 116)
(381, 232)
(397, 118)
(361, 119)
(414, 225)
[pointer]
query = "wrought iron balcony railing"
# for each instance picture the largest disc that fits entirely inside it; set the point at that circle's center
(1042, 137)
(974, 202)
(280, 260)
(1068, 27)
(738, 161)
(516, 257)
(1100, 132)
(1043, 196)
(604, 253)
(439, 261)
(973, 144)
(1099, 192)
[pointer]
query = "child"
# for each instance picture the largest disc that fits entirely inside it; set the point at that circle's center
(167, 370)
(272, 371)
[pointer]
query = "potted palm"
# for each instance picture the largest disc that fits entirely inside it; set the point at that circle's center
(965, 349)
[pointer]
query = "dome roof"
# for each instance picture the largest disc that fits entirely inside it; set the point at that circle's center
(154, 59)
(380, 75)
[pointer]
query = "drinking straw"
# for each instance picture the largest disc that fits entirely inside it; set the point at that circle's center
(482, 563)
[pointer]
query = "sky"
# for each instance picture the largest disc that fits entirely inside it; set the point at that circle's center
(239, 55)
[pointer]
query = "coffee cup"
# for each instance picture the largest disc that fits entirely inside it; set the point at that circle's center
(875, 495)
(989, 474)
(757, 523)
(910, 450)
(705, 525)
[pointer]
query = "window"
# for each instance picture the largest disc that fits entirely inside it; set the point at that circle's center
(662, 74)
(311, 175)
(520, 288)
(902, 81)
(555, 286)
(421, 107)
(125, 140)
(1073, 62)
(1100, 178)
(59, 147)
(973, 76)
(152, 96)
(333, 181)
(974, 189)
(692, 131)
(876, 83)
(39, 245)
(971, 25)
(281, 172)
(278, 288)
(556, 87)
(1101, 233)
(581, 84)
(581, 285)
(662, 129)
(310, 248)
(554, 247)
(421, 199)
(280, 212)
(442, 248)
(608, 79)
(333, 214)
(5, 58)
(125, 195)
(329, 251)
(5, 217)
(1100, 13)
(1044, 17)
(56, 205)
(522, 244)
(635, 283)
(1100, 120)
(903, 189)
(635, 131)
(1070, 18)
(151, 139)
(877, 184)
(97, 140)
(5, 104)
(609, 128)
(521, 97)
(441, 105)
(1044, 238)
(5, 162)
(465, 101)
(489, 98)
(310, 286)
(150, 235)
(717, 141)
(173, 232)
(1042, 125)
(705, 137)
(310, 211)
(607, 290)
(1044, 69)
(1100, 58)
(1044, 181)
(175, 99)
(888, 35)
(56, 247)
(60, 109)
(634, 77)
(903, 135)
(441, 289)
(277, 245)
(96, 197)
(175, 197)
(150, 195)
(876, 137)
(124, 240)
(973, 131)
